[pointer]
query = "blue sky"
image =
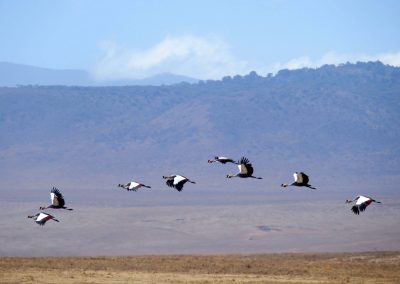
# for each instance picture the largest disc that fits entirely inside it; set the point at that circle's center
(203, 39)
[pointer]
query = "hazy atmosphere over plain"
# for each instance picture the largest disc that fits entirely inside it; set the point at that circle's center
(337, 121)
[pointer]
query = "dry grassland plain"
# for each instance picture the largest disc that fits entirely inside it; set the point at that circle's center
(368, 267)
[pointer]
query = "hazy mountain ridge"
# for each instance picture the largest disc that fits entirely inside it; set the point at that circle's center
(341, 124)
(12, 75)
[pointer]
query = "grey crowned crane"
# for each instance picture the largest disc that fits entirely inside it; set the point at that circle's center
(177, 181)
(222, 160)
(41, 218)
(361, 203)
(245, 169)
(300, 179)
(57, 200)
(133, 185)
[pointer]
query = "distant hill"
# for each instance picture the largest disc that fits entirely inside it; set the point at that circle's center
(17, 74)
(12, 75)
(340, 124)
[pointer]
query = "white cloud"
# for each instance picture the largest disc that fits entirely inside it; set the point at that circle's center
(392, 59)
(198, 57)
(204, 58)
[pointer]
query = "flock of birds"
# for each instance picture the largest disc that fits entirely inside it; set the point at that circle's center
(246, 170)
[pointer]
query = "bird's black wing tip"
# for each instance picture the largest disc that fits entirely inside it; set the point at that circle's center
(244, 160)
(355, 210)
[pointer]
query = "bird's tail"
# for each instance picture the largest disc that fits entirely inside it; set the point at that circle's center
(257, 177)
(311, 187)
(55, 220)
(146, 186)
(191, 181)
(70, 209)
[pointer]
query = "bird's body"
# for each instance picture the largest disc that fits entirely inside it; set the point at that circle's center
(41, 218)
(134, 186)
(177, 181)
(57, 200)
(222, 160)
(300, 179)
(245, 169)
(361, 203)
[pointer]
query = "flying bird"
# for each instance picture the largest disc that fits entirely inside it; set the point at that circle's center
(361, 203)
(177, 181)
(57, 200)
(133, 186)
(222, 160)
(41, 218)
(300, 179)
(245, 169)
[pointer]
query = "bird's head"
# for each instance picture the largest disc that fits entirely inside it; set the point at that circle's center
(209, 161)
(284, 185)
(349, 201)
(42, 208)
(229, 176)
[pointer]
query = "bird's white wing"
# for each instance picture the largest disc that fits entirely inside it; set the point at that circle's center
(361, 200)
(298, 177)
(133, 184)
(41, 217)
(54, 199)
(178, 179)
(242, 169)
